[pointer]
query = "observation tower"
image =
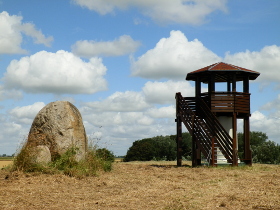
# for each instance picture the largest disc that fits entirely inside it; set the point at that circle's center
(211, 117)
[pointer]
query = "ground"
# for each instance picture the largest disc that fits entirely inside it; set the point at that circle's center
(146, 185)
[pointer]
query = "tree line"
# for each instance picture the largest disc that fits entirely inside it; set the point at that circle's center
(165, 148)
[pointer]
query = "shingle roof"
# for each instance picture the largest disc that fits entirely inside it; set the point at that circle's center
(223, 72)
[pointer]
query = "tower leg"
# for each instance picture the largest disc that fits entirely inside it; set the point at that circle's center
(194, 152)
(234, 143)
(179, 141)
(246, 135)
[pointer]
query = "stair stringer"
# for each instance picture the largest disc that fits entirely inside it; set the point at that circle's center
(206, 128)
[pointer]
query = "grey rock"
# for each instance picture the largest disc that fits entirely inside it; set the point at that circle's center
(55, 129)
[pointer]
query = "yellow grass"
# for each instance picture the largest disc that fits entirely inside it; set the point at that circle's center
(146, 185)
(4, 163)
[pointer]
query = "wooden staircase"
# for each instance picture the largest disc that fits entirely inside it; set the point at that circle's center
(206, 130)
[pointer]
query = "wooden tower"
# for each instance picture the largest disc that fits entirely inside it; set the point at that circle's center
(211, 117)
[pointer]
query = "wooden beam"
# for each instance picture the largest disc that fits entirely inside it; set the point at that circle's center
(246, 84)
(234, 82)
(179, 133)
(194, 146)
(197, 87)
(234, 143)
(246, 136)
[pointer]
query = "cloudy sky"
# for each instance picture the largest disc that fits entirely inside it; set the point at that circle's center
(121, 62)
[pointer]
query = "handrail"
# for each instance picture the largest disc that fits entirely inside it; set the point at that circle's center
(205, 126)
(186, 114)
(222, 137)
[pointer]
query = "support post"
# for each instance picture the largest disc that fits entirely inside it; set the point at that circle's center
(179, 133)
(234, 143)
(213, 161)
(194, 150)
(247, 149)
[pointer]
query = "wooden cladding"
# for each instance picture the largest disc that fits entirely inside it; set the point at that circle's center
(228, 101)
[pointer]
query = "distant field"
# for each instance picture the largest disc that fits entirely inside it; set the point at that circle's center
(146, 185)
(4, 163)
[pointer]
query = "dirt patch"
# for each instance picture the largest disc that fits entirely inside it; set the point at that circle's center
(146, 185)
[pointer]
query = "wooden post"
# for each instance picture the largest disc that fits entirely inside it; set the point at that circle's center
(179, 132)
(213, 152)
(234, 143)
(194, 151)
(246, 135)
(234, 83)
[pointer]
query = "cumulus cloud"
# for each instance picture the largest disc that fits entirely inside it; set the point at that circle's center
(121, 102)
(173, 57)
(268, 125)
(164, 92)
(58, 73)
(161, 11)
(11, 28)
(265, 61)
(10, 94)
(162, 112)
(26, 114)
(121, 46)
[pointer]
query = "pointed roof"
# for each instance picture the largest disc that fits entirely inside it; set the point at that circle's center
(223, 72)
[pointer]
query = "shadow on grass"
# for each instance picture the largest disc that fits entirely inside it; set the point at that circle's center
(170, 166)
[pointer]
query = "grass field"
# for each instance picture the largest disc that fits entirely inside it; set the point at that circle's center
(5, 162)
(146, 185)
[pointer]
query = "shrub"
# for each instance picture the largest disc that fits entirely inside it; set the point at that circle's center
(105, 154)
(158, 148)
(66, 163)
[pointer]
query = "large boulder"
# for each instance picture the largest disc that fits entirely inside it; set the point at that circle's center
(55, 129)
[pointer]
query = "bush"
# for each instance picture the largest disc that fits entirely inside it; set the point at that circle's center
(66, 163)
(157, 148)
(105, 154)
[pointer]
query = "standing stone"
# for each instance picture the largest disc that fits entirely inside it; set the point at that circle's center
(55, 129)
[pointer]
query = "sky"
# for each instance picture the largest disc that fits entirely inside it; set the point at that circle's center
(121, 62)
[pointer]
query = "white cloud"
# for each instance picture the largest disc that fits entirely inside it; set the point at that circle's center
(162, 112)
(38, 37)
(11, 28)
(26, 114)
(58, 73)
(121, 46)
(161, 11)
(268, 125)
(11, 135)
(121, 102)
(173, 57)
(164, 92)
(9, 94)
(266, 61)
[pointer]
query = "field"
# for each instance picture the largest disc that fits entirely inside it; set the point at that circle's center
(146, 185)
(5, 162)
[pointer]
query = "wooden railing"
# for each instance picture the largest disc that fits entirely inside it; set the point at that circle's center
(204, 126)
(228, 101)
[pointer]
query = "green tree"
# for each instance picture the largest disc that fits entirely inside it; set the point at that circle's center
(105, 154)
(159, 148)
(263, 150)
(142, 150)
(268, 152)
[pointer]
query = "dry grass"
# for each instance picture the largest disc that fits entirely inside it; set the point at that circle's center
(146, 185)
(4, 163)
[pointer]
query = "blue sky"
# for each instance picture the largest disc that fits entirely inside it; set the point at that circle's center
(121, 62)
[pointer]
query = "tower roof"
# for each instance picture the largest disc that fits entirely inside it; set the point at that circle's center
(223, 72)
